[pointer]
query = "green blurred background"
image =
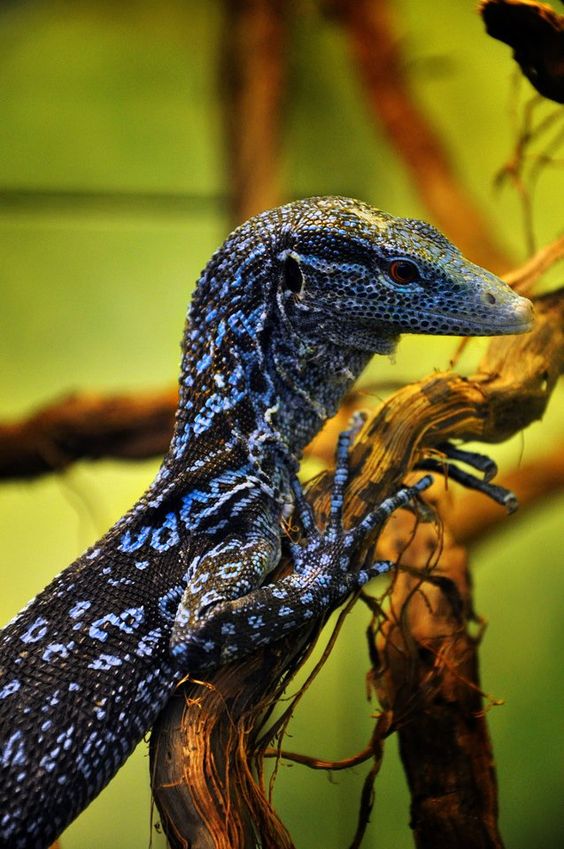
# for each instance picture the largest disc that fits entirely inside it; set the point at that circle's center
(112, 197)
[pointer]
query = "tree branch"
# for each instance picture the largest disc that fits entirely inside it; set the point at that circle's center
(87, 426)
(252, 77)
(535, 31)
(425, 674)
(522, 279)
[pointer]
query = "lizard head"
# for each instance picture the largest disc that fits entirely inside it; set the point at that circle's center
(355, 276)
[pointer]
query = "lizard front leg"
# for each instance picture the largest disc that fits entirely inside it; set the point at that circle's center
(232, 569)
(226, 629)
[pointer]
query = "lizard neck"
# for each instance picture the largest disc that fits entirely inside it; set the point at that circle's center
(310, 386)
(249, 383)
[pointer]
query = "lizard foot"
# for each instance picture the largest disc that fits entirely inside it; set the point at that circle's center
(325, 559)
(322, 579)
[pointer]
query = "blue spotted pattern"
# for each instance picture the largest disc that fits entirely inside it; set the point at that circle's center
(285, 316)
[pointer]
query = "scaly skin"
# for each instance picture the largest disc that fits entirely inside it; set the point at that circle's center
(285, 317)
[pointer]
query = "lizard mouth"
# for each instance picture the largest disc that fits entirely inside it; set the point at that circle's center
(516, 318)
(519, 327)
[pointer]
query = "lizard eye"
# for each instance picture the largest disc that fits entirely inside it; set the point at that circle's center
(292, 277)
(403, 271)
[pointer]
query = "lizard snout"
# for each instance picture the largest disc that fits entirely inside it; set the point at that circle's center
(518, 311)
(524, 313)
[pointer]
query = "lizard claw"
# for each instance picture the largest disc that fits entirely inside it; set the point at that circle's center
(479, 462)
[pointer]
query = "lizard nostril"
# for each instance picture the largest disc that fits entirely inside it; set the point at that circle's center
(490, 298)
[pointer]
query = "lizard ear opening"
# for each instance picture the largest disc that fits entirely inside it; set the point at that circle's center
(292, 276)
